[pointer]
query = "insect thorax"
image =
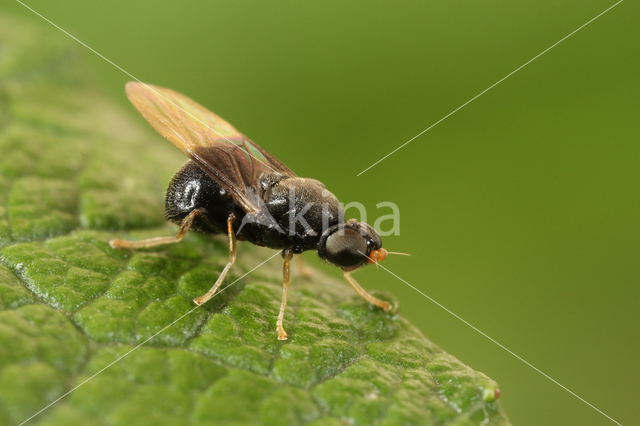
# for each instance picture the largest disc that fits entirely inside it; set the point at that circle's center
(303, 208)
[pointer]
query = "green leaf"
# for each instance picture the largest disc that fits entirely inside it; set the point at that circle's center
(76, 171)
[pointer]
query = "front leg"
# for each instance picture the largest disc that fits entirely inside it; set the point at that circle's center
(232, 258)
(386, 306)
(286, 278)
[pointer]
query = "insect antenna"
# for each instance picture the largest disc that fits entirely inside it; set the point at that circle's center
(395, 252)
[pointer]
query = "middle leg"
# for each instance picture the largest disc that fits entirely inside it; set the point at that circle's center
(232, 258)
(305, 271)
(286, 278)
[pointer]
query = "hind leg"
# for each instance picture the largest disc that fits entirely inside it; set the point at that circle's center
(151, 242)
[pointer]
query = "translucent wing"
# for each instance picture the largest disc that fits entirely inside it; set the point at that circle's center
(231, 159)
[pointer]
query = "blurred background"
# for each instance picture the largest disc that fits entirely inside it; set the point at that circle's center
(520, 210)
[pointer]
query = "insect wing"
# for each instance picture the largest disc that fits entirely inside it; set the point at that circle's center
(232, 160)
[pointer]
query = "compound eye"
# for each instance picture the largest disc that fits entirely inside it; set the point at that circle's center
(346, 248)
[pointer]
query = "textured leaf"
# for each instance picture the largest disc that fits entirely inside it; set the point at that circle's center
(75, 171)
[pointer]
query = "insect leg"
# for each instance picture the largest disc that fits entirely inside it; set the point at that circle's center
(184, 227)
(304, 270)
(232, 258)
(366, 296)
(286, 276)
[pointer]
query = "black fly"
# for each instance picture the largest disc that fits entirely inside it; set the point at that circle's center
(231, 185)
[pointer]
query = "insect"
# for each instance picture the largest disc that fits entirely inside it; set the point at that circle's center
(232, 186)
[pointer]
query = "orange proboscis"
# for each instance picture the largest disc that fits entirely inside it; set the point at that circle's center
(377, 255)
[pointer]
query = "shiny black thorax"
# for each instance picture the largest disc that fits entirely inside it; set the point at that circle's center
(293, 211)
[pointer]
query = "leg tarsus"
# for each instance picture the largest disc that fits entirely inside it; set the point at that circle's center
(286, 279)
(232, 258)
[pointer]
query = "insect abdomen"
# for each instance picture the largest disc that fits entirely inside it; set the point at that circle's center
(192, 188)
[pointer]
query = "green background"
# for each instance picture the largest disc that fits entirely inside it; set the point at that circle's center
(520, 210)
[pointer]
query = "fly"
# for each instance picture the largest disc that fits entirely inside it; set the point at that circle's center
(232, 186)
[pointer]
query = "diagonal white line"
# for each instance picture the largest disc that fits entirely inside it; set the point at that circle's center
(146, 85)
(494, 341)
(277, 253)
(488, 88)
